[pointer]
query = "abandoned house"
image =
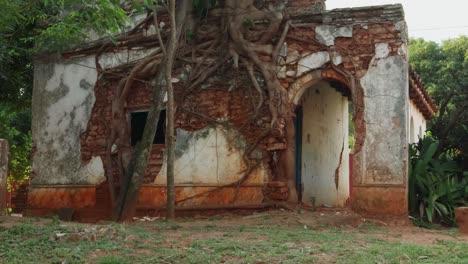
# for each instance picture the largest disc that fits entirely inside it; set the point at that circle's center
(356, 105)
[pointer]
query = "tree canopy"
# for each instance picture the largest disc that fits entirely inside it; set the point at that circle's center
(443, 67)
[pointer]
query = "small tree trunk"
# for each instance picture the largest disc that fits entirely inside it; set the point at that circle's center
(3, 175)
(287, 160)
(170, 114)
(129, 192)
(128, 196)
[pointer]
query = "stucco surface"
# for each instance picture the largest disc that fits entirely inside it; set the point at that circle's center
(386, 99)
(62, 104)
(311, 62)
(326, 34)
(212, 155)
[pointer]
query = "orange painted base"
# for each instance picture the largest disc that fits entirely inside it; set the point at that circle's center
(201, 196)
(461, 215)
(380, 202)
(61, 197)
(92, 204)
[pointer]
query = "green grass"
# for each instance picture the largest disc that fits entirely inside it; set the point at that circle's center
(170, 242)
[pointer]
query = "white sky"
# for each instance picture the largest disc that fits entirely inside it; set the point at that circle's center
(429, 19)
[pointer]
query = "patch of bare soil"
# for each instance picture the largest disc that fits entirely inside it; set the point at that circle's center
(192, 229)
(12, 221)
(321, 219)
(416, 235)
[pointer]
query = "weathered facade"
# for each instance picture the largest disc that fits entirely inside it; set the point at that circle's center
(331, 60)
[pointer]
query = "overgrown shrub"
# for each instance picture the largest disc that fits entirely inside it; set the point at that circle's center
(437, 184)
(15, 127)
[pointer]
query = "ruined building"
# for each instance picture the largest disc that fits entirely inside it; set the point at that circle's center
(339, 67)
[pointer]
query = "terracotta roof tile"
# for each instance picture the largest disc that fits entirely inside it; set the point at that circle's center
(419, 95)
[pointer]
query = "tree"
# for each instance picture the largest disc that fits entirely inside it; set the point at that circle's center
(15, 128)
(246, 50)
(443, 67)
(252, 31)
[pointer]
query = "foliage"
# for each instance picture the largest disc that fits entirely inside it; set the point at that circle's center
(443, 67)
(59, 24)
(435, 187)
(15, 128)
(27, 27)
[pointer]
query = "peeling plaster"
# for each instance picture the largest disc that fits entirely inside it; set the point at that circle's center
(326, 34)
(312, 61)
(403, 28)
(281, 72)
(402, 50)
(382, 50)
(337, 58)
(292, 57)
(62, 104)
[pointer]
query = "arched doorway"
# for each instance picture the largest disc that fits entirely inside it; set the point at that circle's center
(322, 144)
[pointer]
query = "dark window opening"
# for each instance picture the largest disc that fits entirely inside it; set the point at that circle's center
(138, 121)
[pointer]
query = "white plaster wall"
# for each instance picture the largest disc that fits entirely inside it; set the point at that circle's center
(419, 123)
(385, 151)
(324, 135)
(211, 156)
(63, 99)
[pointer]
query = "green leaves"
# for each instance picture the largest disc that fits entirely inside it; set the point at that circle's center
(434, 185)
(443, 68)
(15, 127)
(248, 23)
(62, 24)
(436, 182)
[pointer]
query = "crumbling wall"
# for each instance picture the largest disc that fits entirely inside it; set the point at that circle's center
(366, 50)
(363, 49)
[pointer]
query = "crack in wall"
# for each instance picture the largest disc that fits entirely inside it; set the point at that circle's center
(337, 170)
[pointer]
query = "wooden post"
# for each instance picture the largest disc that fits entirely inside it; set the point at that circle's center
(3, 175)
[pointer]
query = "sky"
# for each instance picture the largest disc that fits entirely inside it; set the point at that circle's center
(434, 20)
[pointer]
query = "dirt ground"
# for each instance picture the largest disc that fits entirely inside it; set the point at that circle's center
(321, 219)
(324, 219)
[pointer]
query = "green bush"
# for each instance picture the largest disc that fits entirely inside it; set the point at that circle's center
(15, 127)
(437, 184)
